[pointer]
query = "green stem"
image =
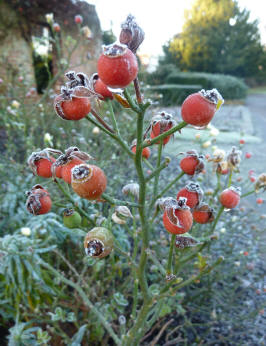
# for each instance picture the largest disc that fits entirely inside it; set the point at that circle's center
(155, 260)
(168, 187)
(132, 103)
(165, 134)
(217, 218)
(230, 178)
(75, 205)
(95, 310)
(158, 170)
(115, 201)
(156, 180)
(111, 110)
(248, 193)
(170, 256)
(218, 175)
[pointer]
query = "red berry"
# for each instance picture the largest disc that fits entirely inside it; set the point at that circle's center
(192, 192)
(252, 179)
(161, 123)
(198, 109)
(66, 169)
(39, 201)
(88, 181)
(241, 141)
(203, 214)
(75, 109)
(230, 198)
(117, 66)
(248, 155)
(43, 167)
(245, 253)
(101, 89)
(146, 152)
(259, 201)
(78, 19)
(185, 219)
(192, 163)
(56, 27)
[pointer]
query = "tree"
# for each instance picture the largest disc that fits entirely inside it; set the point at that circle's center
(217, 36)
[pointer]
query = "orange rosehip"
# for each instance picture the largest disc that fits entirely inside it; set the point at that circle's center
(75, 109)
(101, 89)
(66, 169)
(193, 193)
(39, 201)
(88, 181)
(161, 123)
(117, 66)
(230, 197)
(146, 152)
(203, 214)
(192, 163)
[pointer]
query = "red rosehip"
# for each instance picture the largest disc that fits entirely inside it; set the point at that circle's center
(177, 218)
(101, 89)
(146, 152)
(161, 123)
(117, 66)
(39, 201)
(248, 155)
(203, 214)
(41, 163)
(192, 163)
(230, 197)
(198, 109)
(78, 19)
(245, 253)
(193, 193)
(56, 27)
(88, 181)
(66, 169)
(259, 201)
(242, 141)
(74, 109)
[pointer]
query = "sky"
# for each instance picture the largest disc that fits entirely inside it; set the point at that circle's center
(161, 20)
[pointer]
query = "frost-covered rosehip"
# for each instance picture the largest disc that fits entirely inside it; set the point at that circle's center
(161, 123)
(230, 197)
(203, 214)
(100, 88)
(192, 192)
(88, 181)
(41, 163)
(117, 66)
(38, 201)
(192, 163)
(198, 109)
(99, 242)
(78, 19)
(71, 218)
(177, 217)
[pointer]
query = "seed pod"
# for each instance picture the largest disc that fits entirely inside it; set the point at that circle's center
(99, 242)
(71, 218)
(131, 189)
(88, 181)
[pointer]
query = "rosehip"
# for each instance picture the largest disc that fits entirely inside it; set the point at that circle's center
(161, 123)
(74, 109)
(248, 155)
(259, 201)
(198, 109)
(177, 218)
(78, 19)
(66, 169)
(193, 193)
(39, 201)
(41, 162)
(230, 197)
(99, 242)
(192, 163)
(88, 181)
(71, 218)
(242, 141)
(56, 27)
(146, 152)
(203, 214)
(101, 88)
(117, 66)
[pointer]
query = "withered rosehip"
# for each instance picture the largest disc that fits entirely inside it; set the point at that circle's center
(161, 123)
(88, 181)
(198, 109)
(203, 214)
(38, 201)
(177, 217)
(99, 242)
(146, 152)
(192, 192)
(117, 66)
(192, 163)
(230, 197)
(71, 218)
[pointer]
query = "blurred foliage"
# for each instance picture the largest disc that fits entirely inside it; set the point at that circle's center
(218, 37)
(108, 37)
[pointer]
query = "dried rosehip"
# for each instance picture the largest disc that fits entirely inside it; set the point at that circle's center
(198, 109)
(192, 163)
(99, 242)
(193, 193)
(117, 66)
(65, 162)
(38, 201)
(203, 214)
(131, 34)
(177, 218)
(146, 152)
(71, 218)
(230, 197)
(88, 181)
